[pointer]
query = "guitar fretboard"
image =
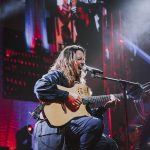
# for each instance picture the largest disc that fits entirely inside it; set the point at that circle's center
(100, 100)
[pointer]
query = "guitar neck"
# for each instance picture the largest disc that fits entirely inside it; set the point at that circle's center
(83, 91)
(100, 100)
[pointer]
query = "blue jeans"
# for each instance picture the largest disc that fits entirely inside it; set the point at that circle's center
(83, 133)
(48, 138)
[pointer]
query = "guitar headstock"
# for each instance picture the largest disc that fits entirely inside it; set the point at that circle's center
(137, 92)
(146, 87)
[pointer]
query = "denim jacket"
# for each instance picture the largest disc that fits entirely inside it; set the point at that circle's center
(46, 88)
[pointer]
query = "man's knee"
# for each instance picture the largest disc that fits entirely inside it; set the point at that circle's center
(106, 143)
(96, 124)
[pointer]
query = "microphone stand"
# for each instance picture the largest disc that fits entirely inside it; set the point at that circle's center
(124, 84)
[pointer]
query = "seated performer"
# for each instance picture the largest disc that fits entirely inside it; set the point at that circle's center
(66, 123)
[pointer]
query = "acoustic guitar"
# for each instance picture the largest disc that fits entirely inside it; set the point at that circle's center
(58, 114)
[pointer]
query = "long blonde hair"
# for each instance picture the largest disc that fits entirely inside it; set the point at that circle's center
(65, 62)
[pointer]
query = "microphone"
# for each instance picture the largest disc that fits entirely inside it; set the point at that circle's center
(92, 70)
(36, 112)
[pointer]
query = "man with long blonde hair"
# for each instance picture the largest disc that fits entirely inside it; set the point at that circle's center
(81, 132)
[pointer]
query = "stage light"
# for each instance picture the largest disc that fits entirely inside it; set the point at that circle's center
(109, 135)
(136, 50)
(11, 8)
(30, 128)
(24, 138)
(107, 53)
(121, 41)
(8, 53)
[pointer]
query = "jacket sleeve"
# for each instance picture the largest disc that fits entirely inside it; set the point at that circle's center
(96, 112)
(46, 89)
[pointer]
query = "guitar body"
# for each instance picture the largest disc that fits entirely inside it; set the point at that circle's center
(58, 114)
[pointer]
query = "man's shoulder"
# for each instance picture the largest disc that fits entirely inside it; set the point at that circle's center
(55, 73)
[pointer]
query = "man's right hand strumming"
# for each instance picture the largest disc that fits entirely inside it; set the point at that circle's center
(73, 102)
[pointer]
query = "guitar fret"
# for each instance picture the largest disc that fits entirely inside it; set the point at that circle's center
(103, 100)
(100, 100)
(97, 100)
(109, 98)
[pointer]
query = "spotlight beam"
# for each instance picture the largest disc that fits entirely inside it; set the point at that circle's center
(13, 7)
(136, 50)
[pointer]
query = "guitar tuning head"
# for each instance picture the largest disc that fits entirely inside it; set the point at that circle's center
(146, 87)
